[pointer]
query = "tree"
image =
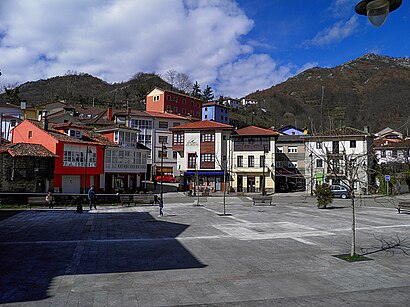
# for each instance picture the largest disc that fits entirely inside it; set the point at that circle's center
(208, 94)
(196, 90)
(182, 82)
(170, 76)
(341, 162)
(12, 93)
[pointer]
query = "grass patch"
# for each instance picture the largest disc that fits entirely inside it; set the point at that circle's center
(354, 258)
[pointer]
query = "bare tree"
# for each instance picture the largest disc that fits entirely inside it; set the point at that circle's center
(342, 163)
(170, 76)
(183, 83)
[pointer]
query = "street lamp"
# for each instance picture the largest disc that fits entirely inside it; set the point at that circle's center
(85, 168)
(377, 10)
(196, 179)
(163, 147)
(311, 174)
(265, 150)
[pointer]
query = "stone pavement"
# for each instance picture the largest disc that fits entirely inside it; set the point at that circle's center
(280, 255)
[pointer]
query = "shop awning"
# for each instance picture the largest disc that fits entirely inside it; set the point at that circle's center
(204, 173)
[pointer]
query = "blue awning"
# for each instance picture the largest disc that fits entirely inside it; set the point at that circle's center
(204, 173)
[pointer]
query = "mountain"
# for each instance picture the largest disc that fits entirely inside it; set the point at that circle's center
(370, 91)
(86, 89)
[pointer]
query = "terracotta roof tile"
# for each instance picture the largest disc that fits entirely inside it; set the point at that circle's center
(27, 150)
(203, 125)
(255, 131)
(166, 115)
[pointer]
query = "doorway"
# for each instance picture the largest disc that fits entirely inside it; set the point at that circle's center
(240, 184)
(251, 185)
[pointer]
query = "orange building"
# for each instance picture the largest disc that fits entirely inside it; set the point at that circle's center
(159, 100)
(80, 152)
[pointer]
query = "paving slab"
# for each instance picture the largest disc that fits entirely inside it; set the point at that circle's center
(280, 255)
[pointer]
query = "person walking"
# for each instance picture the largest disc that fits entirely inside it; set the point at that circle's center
(161, 207)
(92, 197)
(49, 200)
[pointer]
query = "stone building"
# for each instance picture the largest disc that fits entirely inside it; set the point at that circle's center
(26, 168)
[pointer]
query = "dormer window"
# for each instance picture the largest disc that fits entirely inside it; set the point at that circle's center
(73, 133)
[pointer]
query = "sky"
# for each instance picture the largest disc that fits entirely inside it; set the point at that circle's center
(236, 47)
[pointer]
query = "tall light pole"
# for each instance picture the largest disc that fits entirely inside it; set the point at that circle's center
(163, 147)
(311, 174)
(196, 179)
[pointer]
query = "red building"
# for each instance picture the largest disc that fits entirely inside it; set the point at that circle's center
(159, 100)
(80, 152)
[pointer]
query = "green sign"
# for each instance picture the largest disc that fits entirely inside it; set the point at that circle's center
(320, 177)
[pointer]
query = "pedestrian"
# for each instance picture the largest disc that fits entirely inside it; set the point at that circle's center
(92, 197)
(154, 180)
(49, 200)
(160, 206)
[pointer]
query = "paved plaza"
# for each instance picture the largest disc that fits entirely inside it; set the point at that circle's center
(281, 255)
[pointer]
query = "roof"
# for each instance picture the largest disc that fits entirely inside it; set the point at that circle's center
(176, 93)
(90, 137)
(203, 125)
(340, 132)
(68, 125)
(166, 115)
(289, 127)
(27, 150)
(213, 103)
(255, 131)
(132, 113)
(383, 143)
(116, 127)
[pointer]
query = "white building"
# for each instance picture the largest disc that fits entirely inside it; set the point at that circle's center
(327, 157)
(10, 117)
(202, 154)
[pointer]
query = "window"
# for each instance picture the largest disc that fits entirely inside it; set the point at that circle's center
(352, 144)
(192, 160)
(206, 116)
(318, 145)
(279, 164)
(175, 99)
(183, 101)
(169, 97)
(13, 123)
(207, 157)
(239, 161)
(251, 161)
(163, 139)
(179, 138)
(319, 163)
(335, 147)
(192, 103)
(279, 149)
(261, 161)
(292, 164)
(183, 111)
(174, 155)
(208, 137)
(197, 114)
(292, 149)
(176, 109)
(156, 98)
(163, 125)
(206, 108)
(30, 134)
(168, 108)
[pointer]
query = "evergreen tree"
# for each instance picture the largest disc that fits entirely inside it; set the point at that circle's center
(196, 90)
(208, 94)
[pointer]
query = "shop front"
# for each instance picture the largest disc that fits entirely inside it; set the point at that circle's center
(211, 181)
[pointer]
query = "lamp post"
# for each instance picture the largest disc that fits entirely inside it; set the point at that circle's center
(377, 10)
(311, 174)
(265, 150)
(163, 147)
(196, 179)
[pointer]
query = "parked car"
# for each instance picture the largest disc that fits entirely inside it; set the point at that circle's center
(340, 191)
(165, 178)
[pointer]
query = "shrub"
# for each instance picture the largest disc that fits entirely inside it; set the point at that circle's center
(323, 195)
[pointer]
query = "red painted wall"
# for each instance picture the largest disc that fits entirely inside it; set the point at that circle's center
(108, 135)
(155, 106)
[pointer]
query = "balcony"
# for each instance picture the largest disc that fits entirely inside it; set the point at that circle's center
(123, 167)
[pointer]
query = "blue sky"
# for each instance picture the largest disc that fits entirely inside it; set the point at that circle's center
(237, 47)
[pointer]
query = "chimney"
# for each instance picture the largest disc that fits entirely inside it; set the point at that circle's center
(109, 113)
(45, 120)
(366, 129)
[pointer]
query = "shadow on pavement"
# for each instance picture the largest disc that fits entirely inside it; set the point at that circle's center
(37, 246)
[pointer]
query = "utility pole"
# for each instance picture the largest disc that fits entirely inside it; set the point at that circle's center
(162, 169)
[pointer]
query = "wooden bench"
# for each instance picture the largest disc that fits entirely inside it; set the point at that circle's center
(137, 199)
(37, 200)
(262, 200)
(403, 205)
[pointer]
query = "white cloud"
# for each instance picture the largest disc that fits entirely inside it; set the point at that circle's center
(335, 33)
(249, 74)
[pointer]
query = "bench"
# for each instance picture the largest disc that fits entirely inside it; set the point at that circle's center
(403, 205)
(262, 200)
(137, 199)
(36, 200)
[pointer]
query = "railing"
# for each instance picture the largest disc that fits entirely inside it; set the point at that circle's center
(122, 166)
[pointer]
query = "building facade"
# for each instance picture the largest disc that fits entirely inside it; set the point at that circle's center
(215, 112)
(330, 156)
(125, 165)
(252, 163)
(202, 155)
(159, 100)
